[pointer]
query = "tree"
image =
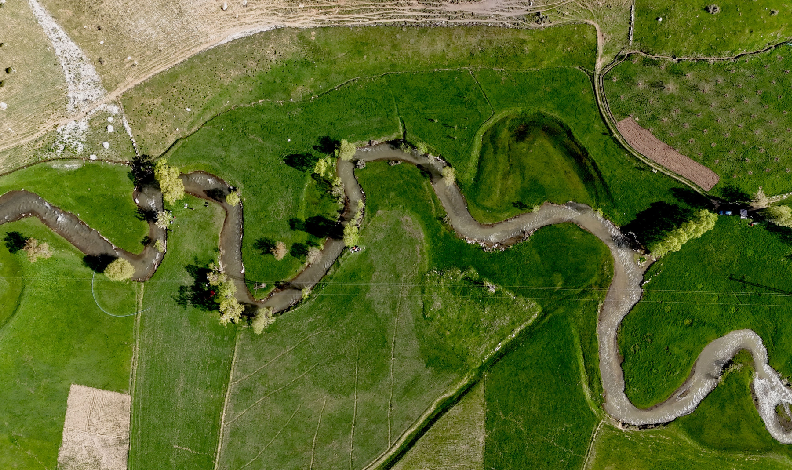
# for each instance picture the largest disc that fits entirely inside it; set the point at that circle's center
(36, 250)
(168, 178)
(449, 175)
(264, 318)
(423, 149)
(759, 200)
(346, 150)
(232, 199)
(230, 310)
(119, 270)
(702, 222)
(351, 234)
(164, 219)
(314, 255)
(779, 215)
(159, 246)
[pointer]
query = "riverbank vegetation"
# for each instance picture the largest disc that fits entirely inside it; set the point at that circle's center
(731, 116)
(687, 303)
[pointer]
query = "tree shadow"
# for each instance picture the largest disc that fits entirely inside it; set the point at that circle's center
(322, 227)
(327, 145)
(200, 293)
(301, 161)
(520, 205)
(299, 250)
(14, 241)
(98, 263)
(691, 198)
(265, 245)
(783, 233)
(141, 170)
(217, 194)
(651, 224)
(146, 215)
(731, 193)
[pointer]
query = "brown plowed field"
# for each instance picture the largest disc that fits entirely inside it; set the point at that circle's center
(661, 153)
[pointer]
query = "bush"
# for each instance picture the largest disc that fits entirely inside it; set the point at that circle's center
(263, 319)
(233, 198)
(164, 219)
(119, 270)
(702, 222)
(449, 175)
(279, 251)
(759, 200)
(346, 150)
(168, 178)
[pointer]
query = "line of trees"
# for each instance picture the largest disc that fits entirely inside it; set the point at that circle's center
(702, 222)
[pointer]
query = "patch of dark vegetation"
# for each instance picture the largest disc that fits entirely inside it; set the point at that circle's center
(199, 294)
(98, 263)
(265, 245)
(327, 145)
(141, 170)
(653, 223)
(14, 241)
(301, 161)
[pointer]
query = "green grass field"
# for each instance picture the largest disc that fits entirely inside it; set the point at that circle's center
(688, 303)
(100, 193)
(184, 355)
(51, 336)
(730, 116)
(687, 30)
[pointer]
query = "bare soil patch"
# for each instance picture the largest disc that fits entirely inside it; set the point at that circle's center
(659, 152)
(96, 431)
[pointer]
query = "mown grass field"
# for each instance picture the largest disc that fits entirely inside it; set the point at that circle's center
(52, 334)
(730, 116)
(688, 30)
(184, 355)
(100, 193)
(687, 303)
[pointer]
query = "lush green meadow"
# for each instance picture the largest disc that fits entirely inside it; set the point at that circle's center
(100, 193)
(288, 65)
(688, 30)
(52, 335)
(730, 116)
(688, 303)
(184, 355)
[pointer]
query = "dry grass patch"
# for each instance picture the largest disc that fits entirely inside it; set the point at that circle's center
(96, 431)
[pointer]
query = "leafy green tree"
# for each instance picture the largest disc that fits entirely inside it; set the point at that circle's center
(702, 222)
(168, 178)
(779, 215)
(264, 318)
(164, 219)
(233, 198)
(346, 150)
(351, 234)
(119, 270)
(449, 175)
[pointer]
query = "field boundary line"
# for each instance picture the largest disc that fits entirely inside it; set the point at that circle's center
(134, 368)
(279, 355)
(316, 433)
(226, 400)
(274, 437)
(590, 454)
(354, 415)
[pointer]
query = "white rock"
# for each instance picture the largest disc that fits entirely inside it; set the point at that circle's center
(106, 145)
(110, 119)
(93, 157)
(224, 7)
(109, 128)
(244, 3)
(3, 106)
(660, 19)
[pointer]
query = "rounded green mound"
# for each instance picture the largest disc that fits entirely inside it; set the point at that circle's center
(528, 159)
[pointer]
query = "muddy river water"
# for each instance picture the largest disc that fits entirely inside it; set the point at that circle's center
(624, 291)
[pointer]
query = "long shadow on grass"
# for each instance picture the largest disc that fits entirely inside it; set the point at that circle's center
(651, 224)
(199, 294)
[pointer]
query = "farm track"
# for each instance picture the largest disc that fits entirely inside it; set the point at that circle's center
(623, 293)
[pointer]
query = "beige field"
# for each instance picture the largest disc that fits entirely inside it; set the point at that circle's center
(96, 431)
(35, 93)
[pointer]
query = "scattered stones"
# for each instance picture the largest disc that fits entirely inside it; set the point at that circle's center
(224, 7)
(106, 145)
(110, 128)
(93, 157)
(3, 106)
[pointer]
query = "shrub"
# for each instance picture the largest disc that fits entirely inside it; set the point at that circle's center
(230, 310)
(449, 175)
(346, 150)
(423, 149)
(36, 250)
(314, 255)
(233, 198)
(159, 246)
(168, 178)
(263, 319)
(119, 270)
(702, 222)
(164, 219)
(306, 292)
(759, 200)
(325, 168)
